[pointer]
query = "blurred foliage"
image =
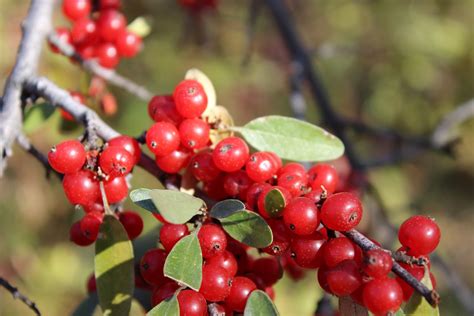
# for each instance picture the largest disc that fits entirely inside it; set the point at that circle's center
(395, 64)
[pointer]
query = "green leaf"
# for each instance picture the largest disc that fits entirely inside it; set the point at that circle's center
(347, 307)
(176, 207)
(227, 207)
(37, 115)
(274, 203)
(114, 270)
(168, 307)
(184, 262)
(87, 306)
(142, 198)
(291, 139)
(140, 27)
(417, 305)
(248, 227)
(260, 304)
(399, 313)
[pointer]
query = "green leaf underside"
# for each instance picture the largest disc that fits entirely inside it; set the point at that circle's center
(37, 115)
(347, 307)
(417, 305)
(274, 202)
(226, 208)
(176, 207)
(87, 306)
(259, 304)
(142, 198)
(168, 307)
(184, 262)
(114, 268)
(291, 139)
(248, 227)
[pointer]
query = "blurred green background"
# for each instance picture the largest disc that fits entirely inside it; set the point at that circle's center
(394, 64)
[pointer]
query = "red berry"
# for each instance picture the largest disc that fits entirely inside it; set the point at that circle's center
(420, 235)
(323, 175)
(273, 210)
(239, 293)
(132, 222)
(377, 263)
(63, 35)
(194, 133)
(190, 98)
(161, 108)
(281, 238)
(301, 216)
(129, 144)
(293, 182)
(382, 296)
(307, 251)
(203, 167)
(107, 55)
(109, 4)
(90, 224)
(128, 44)
(93, 207)
(337, 250)
(237, 183)
(322, 278)
(276, 160)
(116, 189)
(163, 292)
(76, 235)
(91, 284)
(81, 187)
(84, 31)
(151, 266)
(230, 154)
(67, 157)
(253, 193)
(260, 167)
(76, 9)
(162, 138)
(175, 161)
(269, 269)
(86, 50)
(341, 211)
(216, 283)
(225, 260)
(215, 189)
(192, 303)
(110, 24)
(315, 195)
(212, 240)
(344, 278)
(418, 272)
(116, 161)
(170, 234)
(292, 168)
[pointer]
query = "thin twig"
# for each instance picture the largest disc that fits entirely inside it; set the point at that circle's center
(18, 295)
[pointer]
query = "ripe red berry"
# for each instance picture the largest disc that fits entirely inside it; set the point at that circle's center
(170, 234)
(129, 144)
(276, 160)
(341, 211)
(382, 296)
(338, 249)
(253, 193)
(322, 278)
(194, 133)
(323, 175)
(190, 98)
(344, 278)
(260, 167)
(420, 235)
(292, 168)
(281, 238)
(216, 283)
(128, 44)
(175, 161)
(269, 269)
(81, 187)
(76, 9)
(151, 266)
(109, 4)
(63, 35)
(132, 222)
(315, 195)
(116, 161)
(67, 157)
(164, 291)
(237, 183)
(86, 51)
(93, 207)
(161, 108)
(293, 182)
(90, 224)
(116, 189)
(268, 210)
(191, 303)
(203, 167)
(77, 237)
(215, 189)
(162, 138)
(84, 31)
(91, 284)
(301, 216)
(230, 154)
(377, 263)
(107, 55)
(307, 251)
(212, 240)
(225, 260)
(239, 293)
(110, 24)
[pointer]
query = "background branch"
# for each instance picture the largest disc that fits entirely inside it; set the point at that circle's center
(17, 295)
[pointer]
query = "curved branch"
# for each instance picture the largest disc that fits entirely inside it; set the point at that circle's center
(17, 295)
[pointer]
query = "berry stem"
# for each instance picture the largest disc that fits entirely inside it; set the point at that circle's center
(107, 209)
(366, 244)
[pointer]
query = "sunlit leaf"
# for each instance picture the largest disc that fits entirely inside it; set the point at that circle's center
(259, 304)
(227, 207)
(274, 202)
(417, 305)
(37, 115)
(176, 207)
(168, 307)
(140, 27)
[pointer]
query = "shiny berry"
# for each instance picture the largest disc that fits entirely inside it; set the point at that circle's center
(129, 144)
(151, 266)
(420, 235)
(170, 234)
(301, 216)
(323, 175)
(337, 250)
(194, 133)
(77, 236)
(90, 224)
(64, 35)
(381, 296)
(276, 160)
(237, 183)
(292, 168)
(344, 278)
(116, 161)
(175, 161)
(76, 9)
(203, 168)
(164, 291)
(377, 263)
(269, 269)
(281, 238)
(67, 157)
(260, 167)
(253, 193)
(341, 211)
(216, 283)
(110, 4)
(212, 240)
(84, 31)
(293, 182)
(161, 108)
(190, 98)
(81, 187)
(215, 189)
(230, 154)
(162, 138)
(239, 293)
(305, 250)
(132, 222)
(116, 189)
(107, 55)
(110, 24)
(128, 44)
(225, 260)
(192, 303)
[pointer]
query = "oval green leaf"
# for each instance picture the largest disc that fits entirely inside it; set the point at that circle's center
(37, 115)
(226, 208)
(274, 203)
(184, 262)
(260, 304)
(291, 139)
(248, 227)
(417, 305)
(142, 198)
(168, 307)
(176, 207)
(114, 271)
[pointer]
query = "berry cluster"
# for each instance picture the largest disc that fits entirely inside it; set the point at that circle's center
(84, 169)
(98, 32)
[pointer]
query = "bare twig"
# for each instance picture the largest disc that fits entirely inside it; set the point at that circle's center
(18, 295)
